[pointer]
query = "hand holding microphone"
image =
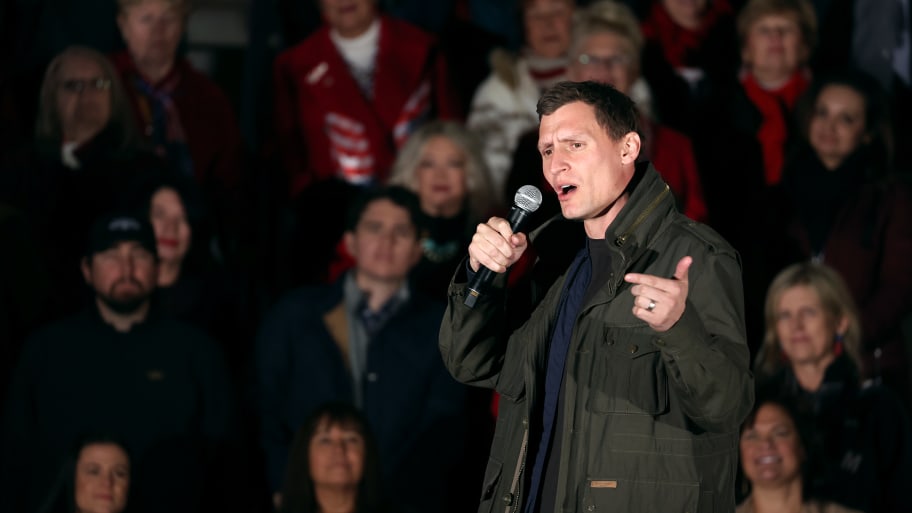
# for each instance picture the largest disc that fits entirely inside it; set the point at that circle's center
(496, 244)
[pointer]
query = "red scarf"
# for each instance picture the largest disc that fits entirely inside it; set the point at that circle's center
(676, 41)
(774, 105)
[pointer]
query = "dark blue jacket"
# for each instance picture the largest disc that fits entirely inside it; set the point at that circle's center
(413, 405)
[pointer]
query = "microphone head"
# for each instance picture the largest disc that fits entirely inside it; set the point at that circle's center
(528, 198)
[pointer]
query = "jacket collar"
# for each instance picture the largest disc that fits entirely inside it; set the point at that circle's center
(643, 216)
(557, 241)
(650, 199)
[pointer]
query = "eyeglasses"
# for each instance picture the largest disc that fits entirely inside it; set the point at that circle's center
(611, 61)
(78, 85)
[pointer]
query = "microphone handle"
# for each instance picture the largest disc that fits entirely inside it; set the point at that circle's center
(484, 276)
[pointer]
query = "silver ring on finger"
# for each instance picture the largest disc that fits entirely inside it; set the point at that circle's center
(651, 306)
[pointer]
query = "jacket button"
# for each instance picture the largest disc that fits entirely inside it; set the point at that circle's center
(660, 342)
(633, 348)
(591, 507)
(508, 499)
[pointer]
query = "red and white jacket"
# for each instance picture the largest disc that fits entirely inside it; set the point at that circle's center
(326, 127)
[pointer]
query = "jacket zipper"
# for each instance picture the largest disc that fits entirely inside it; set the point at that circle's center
(621, 240)
(516, 486)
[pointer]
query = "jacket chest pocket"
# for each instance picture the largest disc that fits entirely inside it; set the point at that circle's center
(628, 375)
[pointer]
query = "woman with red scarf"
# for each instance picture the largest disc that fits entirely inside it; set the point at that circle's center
(743, 135)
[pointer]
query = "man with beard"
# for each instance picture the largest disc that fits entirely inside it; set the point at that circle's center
(120, 368)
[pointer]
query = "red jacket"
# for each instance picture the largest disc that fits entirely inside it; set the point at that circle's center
(326, 127)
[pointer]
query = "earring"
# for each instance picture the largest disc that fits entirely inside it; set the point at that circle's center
(838, 345)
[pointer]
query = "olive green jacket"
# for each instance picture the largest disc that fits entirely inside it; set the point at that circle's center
(652, 419)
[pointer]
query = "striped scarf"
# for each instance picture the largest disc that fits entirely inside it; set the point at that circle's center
(162, 119)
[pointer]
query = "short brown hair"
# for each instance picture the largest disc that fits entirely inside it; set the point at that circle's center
(614, 110)
(801, 9)
(183, 6)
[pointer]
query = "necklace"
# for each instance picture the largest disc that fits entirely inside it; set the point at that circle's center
(439, 252)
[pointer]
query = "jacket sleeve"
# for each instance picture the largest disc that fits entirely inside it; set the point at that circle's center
(891, 296)
(288, 133)
(222, 439)
(438, 439)
(272, 377)
(18, 424)
(470, 338)
(706, 353)
(475, 341)
(893, 448)
(219, 417)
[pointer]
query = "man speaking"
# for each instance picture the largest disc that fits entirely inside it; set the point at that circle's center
(625, 388)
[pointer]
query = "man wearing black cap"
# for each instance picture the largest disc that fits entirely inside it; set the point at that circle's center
(118, 368)
(120, 265)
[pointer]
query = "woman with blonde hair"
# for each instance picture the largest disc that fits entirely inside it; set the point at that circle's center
(810, 354)
(840, 202)
(409, 170)
(442, 163)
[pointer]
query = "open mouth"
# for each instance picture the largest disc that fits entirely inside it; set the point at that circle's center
(566, 189)
(768, 460)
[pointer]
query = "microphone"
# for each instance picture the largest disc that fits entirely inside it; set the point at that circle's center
(527, 200)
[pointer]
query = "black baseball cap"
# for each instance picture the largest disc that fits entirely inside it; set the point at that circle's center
(116, 227)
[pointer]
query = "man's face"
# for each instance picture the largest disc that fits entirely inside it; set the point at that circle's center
(548, 24)
(349, 17)
(152, 30)
(586, 168)
(384, 243)
(123, 276)
(83, 99)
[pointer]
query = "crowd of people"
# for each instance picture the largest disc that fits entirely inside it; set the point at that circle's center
(253, 302)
